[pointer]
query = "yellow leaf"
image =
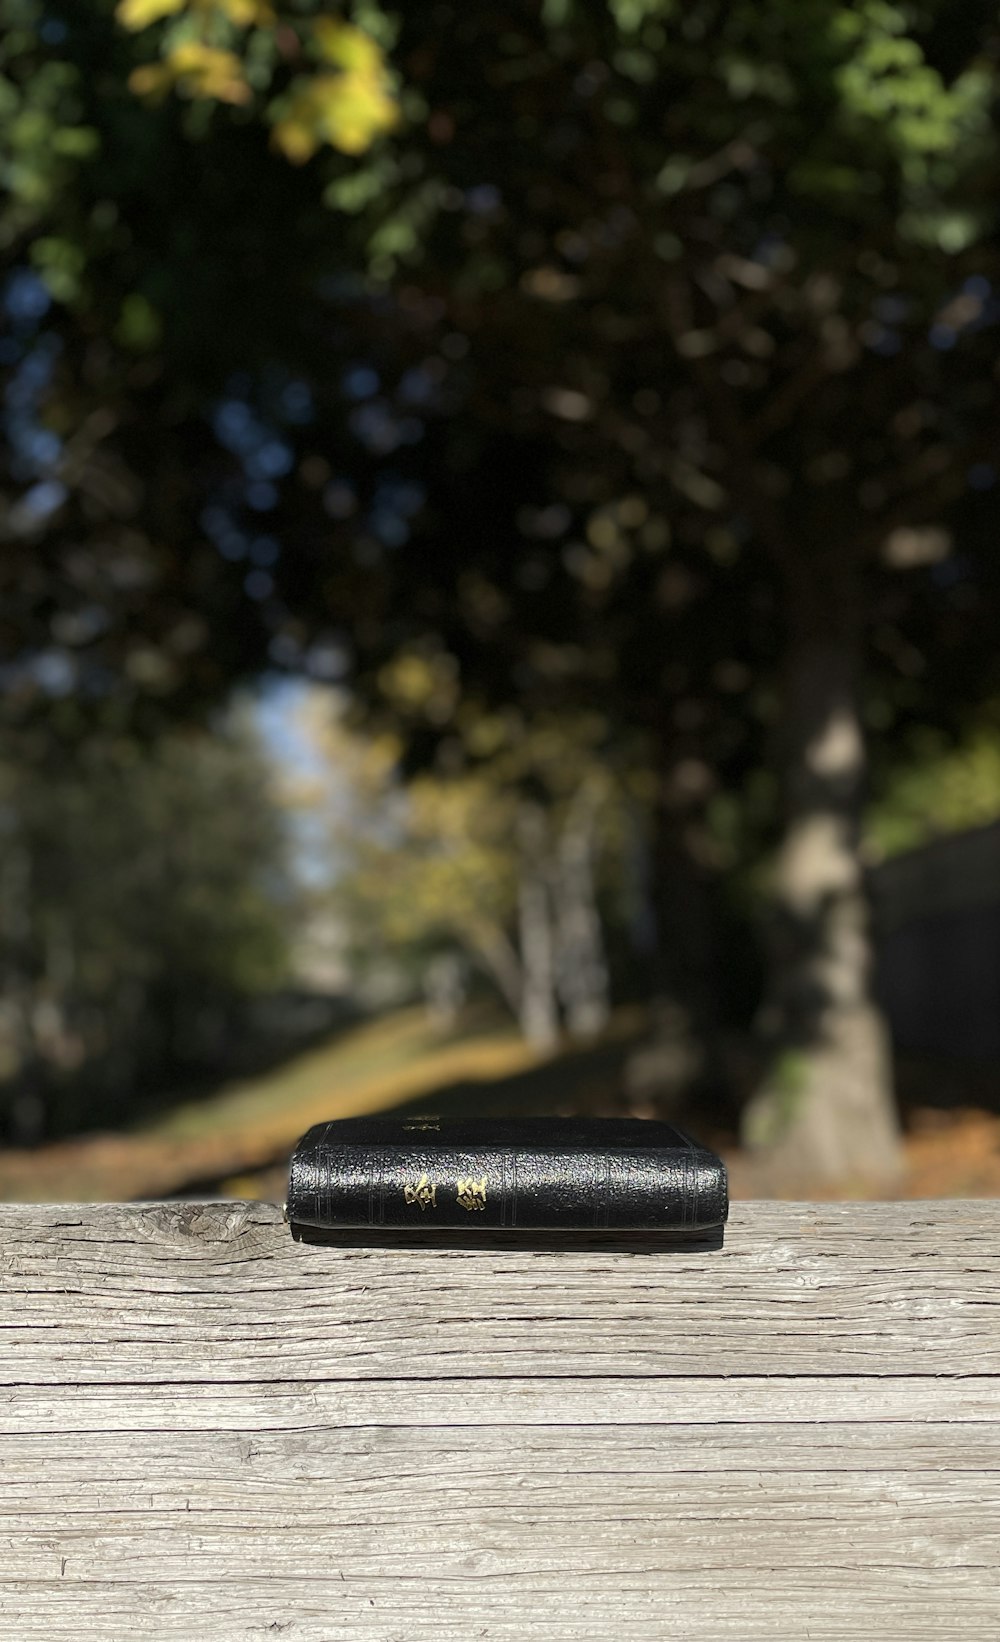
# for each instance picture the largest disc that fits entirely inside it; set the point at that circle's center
(296, 136)
(153, 81)
(347, 110)
(206, 71)
(138, 14)
(348, 47)
(245, 13)
(354, 111)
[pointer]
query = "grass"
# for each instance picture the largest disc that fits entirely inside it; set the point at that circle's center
(241, 1135)
(373, 1067)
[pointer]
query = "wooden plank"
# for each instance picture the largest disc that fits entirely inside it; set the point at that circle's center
(207, 1430)
(557, 1534)
(137, 1292)
(551, 1602)
(37, 1475)
(275, 1405)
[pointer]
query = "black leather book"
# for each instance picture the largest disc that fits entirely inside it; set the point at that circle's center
(513, 1174)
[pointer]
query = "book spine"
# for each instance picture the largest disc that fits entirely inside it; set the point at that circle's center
(409, 1186)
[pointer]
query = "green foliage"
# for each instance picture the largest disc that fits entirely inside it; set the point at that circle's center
(44, 136)
(648, 243)
(439, 864)
(146, 900)
(160, 227)
(647, 302)
(313, 80)
(940, 789)
(233, 51)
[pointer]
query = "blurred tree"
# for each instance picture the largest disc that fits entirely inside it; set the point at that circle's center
(514, 861)
(735, 271)
(159, 337)
(242, 51)
(674, 353)
(146, 899)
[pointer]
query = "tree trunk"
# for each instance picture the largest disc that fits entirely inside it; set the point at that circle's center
(539, 1013)
(581, 964)
(825, 1110)
(26, 1105)
(488, 944)
(661, 1075)
(444, 987)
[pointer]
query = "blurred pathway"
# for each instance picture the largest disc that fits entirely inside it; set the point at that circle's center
(246, 1127)
(237, 1141)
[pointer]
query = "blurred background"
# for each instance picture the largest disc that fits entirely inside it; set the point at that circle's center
(500, 581)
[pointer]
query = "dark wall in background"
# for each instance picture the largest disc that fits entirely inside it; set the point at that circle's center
(938, 943)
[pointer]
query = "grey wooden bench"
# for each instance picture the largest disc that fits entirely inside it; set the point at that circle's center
(208, 1431)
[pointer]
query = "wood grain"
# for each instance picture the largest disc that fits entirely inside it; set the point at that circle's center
(207, 1430)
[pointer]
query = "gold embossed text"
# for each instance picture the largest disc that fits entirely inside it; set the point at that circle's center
(472, 1193)
(423, 1193)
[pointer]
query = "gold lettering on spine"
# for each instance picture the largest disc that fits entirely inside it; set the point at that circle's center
(423, 1193)
(472, 1194)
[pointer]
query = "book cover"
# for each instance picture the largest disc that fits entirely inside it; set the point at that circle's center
(513, 1174)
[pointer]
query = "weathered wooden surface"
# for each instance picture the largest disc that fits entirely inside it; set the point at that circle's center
(208, 1431)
